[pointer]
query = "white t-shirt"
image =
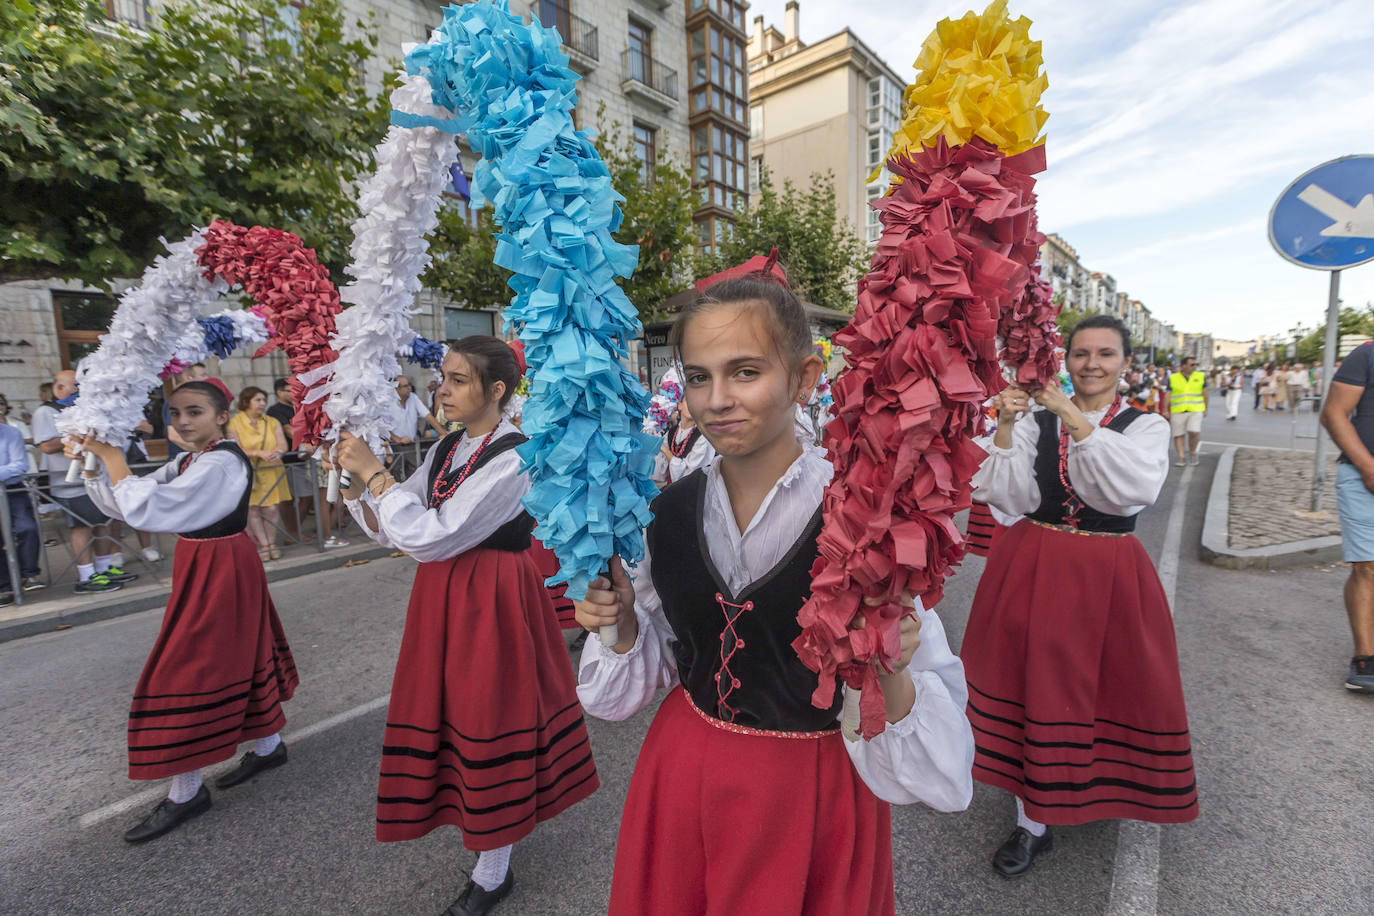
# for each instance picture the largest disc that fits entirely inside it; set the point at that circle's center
(405, 418)
(56, 464)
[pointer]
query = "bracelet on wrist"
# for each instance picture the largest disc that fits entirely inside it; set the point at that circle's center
(374, 476)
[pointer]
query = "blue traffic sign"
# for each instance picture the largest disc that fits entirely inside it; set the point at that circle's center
(1325, 219)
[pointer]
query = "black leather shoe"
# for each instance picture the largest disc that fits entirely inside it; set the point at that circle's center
(1019, 851)
(251, 765)
(167, 815)
(474, 901)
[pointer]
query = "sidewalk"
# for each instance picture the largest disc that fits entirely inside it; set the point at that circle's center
(57, 607)
(1259, 511)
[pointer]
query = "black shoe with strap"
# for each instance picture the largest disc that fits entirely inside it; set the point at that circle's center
(1361, 675)
(1018, 853)
(251, 765)
(474, 901)
(168, 815)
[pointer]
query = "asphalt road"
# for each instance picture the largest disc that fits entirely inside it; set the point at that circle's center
(1283, 756)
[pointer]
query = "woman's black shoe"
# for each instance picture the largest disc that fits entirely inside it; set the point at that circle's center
(474, 901)
(251, 765)
(1019, 851)
(167, 815)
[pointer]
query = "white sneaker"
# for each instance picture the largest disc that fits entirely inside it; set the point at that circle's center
(151, 554)
(334, 541)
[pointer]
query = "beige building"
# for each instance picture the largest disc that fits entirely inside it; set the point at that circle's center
(832, 105)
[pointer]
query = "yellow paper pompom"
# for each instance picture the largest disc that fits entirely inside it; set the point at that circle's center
(977, 76)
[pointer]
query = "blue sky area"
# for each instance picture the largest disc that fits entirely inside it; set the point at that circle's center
(1173, 128)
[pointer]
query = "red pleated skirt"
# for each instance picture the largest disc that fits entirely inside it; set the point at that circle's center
(721, 823)
(1074, 689)
(547, 563)
(220, 668)
(484, 730)
(983, 529)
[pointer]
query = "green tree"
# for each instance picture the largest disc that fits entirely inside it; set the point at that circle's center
(250, 110)
(824, 255)
(1068, 318)
(463, 268)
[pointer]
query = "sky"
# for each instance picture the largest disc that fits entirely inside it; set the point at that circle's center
(1174, 126)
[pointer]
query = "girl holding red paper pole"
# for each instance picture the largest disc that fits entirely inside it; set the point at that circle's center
(712, 613)
(221, 666)
(1074, 688)
(483, 730)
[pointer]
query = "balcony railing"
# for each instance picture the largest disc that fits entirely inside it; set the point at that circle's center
(130, 12)
(580, 35)
(643, 69)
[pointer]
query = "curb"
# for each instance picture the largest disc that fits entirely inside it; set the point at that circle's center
(1216, 528)
(48, 621)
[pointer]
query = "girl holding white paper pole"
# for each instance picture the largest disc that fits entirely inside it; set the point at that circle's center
(712, 613)
(484, 730)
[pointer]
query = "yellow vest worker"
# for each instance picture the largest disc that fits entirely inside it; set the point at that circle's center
(1187, 403)
(1186, 394)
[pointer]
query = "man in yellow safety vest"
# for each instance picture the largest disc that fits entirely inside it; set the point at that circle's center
(1187, 404)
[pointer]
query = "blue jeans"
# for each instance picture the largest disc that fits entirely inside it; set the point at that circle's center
(27, 542)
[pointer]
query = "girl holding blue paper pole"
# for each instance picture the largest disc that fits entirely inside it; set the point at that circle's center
(484, 730)
(745, 798)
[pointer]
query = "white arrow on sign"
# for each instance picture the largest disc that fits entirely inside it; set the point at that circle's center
(1351, 222)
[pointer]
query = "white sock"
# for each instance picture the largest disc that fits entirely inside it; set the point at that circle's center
(264, 746)
(184, 787)
(84, 571)
(102, 564)
(117, 559)
(491, 867)
(1034, 828)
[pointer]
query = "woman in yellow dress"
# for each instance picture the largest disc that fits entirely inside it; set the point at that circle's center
(263, 441)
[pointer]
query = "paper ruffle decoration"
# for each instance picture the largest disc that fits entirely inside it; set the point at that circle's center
(399, 203)
(425, 352)
(663, 407)
(157, 326)
(508, 88)
(955, 263)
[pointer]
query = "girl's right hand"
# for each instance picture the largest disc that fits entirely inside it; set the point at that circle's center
(611, 603)
(1011, 402)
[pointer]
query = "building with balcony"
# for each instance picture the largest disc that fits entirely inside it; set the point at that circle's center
(1101, 293)
(828, 106)
(718, 106)
(1060, 267)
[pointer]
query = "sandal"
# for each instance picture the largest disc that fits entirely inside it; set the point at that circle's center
(275, 552)
(264, 554)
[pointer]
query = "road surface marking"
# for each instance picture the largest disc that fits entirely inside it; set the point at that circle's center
(148, 796)
(1135, 872)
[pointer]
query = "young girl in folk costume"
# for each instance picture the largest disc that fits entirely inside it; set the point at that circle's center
(684, 449)
(746, 799)
(484, 730)
(1074, 688)
(221, 667)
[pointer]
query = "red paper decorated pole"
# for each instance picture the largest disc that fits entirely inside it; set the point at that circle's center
(955, 268)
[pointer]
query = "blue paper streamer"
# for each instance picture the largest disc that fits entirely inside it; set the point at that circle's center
(426, 352)
(221, 336)
(511, 92)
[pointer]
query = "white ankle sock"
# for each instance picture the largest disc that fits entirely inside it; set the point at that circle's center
(1034, 828)
(117, 559)
(264, 746)
(184, 787)
(102, 564)
(84, 571)
(491, 867)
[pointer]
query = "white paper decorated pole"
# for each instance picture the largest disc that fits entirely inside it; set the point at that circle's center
(335, 481)
(90, 463)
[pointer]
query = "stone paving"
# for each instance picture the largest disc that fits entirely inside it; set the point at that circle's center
(1271, 499)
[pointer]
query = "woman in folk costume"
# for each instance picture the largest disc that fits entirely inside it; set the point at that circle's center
(1074, 688)
(221, 666)
(484, 730)
(684, 449)
(745, 798)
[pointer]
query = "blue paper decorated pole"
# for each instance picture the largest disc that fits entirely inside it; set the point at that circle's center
(512, 94)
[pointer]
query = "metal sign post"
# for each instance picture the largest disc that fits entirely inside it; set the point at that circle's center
(1325, 221)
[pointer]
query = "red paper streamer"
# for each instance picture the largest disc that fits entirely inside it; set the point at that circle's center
(293, 293)
(953, 268)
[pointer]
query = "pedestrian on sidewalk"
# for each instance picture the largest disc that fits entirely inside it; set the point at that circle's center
(1298, 384)
(1234, 385)
(745, 797)
(14, 463)
(1187, 406)
(1257, 382)
(264, 442)
(1269, 388)
(221, 666)
(1348, 416)
(483, 730)
(99, 561)
(1075, 694)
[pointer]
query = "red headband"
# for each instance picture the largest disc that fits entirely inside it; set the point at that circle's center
(224, 389)
(518, 348)
(757, 267)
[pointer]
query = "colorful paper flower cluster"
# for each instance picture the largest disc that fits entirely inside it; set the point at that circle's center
(511, 93)
(295, 295)
(663, 407)
(953, 266)
(425, 352)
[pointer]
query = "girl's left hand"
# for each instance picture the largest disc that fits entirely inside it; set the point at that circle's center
(910, 632)
(353, 456)
(1053, 399)
(91, 445)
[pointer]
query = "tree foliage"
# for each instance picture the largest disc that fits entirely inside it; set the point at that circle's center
(1351, 320)
(463, 268)
(250, 110)
(824, 255)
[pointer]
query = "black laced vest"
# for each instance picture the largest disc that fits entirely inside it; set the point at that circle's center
(235, 521)
(514, 535)
(1052, 492)
(734, 652)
